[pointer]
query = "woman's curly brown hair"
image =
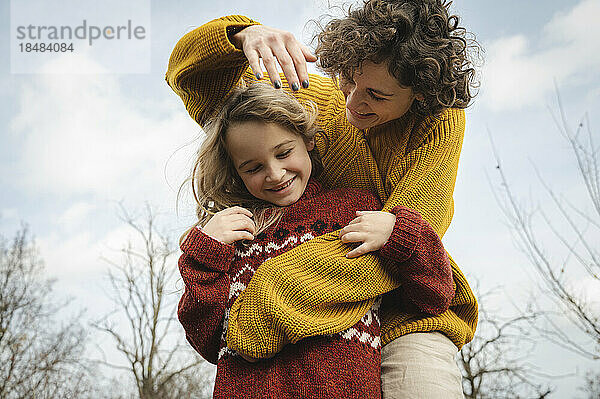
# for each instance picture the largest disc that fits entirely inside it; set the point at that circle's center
(424, 47)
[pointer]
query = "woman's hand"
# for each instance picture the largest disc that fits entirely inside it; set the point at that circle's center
(372, 228)
(275, 46)
(231, 225)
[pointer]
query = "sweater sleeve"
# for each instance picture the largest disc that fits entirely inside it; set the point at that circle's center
(205, 66)
(203, 266)
(421, 262)
(423, 181)
(334, 291)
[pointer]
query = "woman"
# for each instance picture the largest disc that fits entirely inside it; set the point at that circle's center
(394, 125)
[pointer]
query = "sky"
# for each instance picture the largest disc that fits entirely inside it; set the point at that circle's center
(73, 146)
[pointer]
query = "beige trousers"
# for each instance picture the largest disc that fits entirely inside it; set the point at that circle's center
(420, 366)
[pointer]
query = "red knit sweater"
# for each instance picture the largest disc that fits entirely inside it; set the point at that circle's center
(342, 365)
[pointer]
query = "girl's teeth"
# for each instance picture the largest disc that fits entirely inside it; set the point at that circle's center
(282, 187)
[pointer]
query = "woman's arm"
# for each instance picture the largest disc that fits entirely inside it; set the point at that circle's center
(314, 289)
(423, 180)
(430, 169)
(204, 65)
(414, 250)
(204, 265)
(275, 46)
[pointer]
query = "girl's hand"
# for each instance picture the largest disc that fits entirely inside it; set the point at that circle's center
(372, 228)
(230, 225)
(275, 46)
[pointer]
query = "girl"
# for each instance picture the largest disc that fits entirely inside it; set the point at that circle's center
(257, 198)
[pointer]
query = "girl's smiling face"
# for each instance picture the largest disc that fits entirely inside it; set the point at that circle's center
(374, 96)
(272, 161)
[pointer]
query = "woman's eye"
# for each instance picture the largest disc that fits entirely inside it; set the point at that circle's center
(284, 154)
(374, 97)
(253, 170)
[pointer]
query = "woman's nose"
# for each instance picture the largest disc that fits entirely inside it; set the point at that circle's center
(353, 98)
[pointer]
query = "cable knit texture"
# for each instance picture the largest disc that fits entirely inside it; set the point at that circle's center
(342, 364)
(410, 161)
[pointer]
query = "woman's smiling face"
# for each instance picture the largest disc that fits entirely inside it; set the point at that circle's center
(374, 96)
(273, 162)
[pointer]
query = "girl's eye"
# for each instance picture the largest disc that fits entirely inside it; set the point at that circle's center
(284, 154)
(254, 169)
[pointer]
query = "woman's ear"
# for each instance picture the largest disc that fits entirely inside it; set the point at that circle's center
(310, 144)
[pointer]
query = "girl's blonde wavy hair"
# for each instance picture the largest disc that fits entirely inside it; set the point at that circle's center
(215, 182)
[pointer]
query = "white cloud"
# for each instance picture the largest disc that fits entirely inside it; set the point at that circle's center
(77, 260)
(76, 215)
(71, 257)
(75, 257)
(521, 71)
(83, 144)
(9, 214)
(83, 135)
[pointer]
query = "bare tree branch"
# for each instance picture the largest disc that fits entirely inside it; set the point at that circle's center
(39, 356)
(554, 275)
(576, 228)
(494, 364)
(158, 365)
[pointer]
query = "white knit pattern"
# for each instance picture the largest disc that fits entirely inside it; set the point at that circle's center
(367, 319)
(256, 249)
(236, 287)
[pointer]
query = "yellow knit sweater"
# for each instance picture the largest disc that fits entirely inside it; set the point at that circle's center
(409, 161)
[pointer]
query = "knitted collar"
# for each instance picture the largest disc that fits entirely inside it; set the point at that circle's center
(395, 125)
(313, 188)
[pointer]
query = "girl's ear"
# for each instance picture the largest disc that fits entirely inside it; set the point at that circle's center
(310, 144)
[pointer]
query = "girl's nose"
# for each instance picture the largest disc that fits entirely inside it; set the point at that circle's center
(275, 174)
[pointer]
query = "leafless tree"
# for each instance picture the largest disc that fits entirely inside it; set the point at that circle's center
(575, 227)
(40, 354)
(495, 363)
(591, 388)
(160, 365)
